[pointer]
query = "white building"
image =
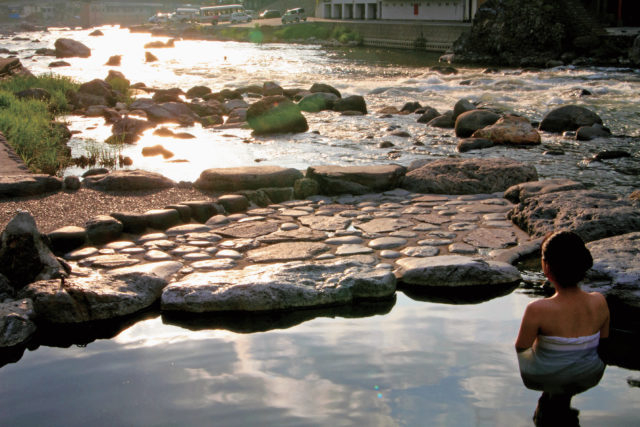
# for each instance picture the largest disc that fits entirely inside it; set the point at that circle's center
(418, 10)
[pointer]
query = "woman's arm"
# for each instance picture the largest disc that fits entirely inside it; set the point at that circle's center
(528, 328)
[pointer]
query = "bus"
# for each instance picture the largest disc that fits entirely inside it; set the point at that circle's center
(213, 14)
(185, 14)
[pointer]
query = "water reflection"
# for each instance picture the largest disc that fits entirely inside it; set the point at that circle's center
(456, 295)
(243, 322)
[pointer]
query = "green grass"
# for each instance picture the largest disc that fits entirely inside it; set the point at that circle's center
(27, 123)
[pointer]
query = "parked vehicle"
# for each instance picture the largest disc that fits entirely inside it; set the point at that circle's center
(215, 14)
(270, 14)
(238, 17)
(294, 15)
(185, 14)
(159, 18)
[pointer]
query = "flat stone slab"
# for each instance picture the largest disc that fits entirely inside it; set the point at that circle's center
(128, 180)
(289, 234)
(356, 179)
(420, 251)
(521, 192)
(348, 250)
(28, 185)
(248, 229)
(325, 223)
(384, 225)
(454, 271)
(492, 238)
(288, 251)
(100, 296)
(247, 178)
(278, 287)
(616, 260)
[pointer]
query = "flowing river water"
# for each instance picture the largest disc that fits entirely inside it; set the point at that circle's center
(404, 362)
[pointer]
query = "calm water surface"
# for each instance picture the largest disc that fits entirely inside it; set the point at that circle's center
(403, 362)
(410, 363)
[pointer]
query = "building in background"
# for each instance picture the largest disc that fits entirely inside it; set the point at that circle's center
(416, 10)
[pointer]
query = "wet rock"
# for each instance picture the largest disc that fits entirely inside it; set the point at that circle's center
(96, 33)
(444, 69)
(128, 180)
(510, 130)
(167, 112)
(150, 57)
(591, 214)
(156, 150)
(356, 179)
(66, 239)
(420, 251)
(468, 176)
(114, 61)
(24, 257)
(12, 67)
(128, 130)
(276, 114)
(100, 296)
(318, 102)
(462, 106)
(454, 271)
(28, 185)
(248, 229)
(410, 107)
(16, 325)
(278, 287)
(634, 52)
(521, 192)
(468, 144)
(444, 121)
(134, 223)
(103, 229)
(428, 115)
(387, 243)
(351, 103)
(305, 187)
(287, 251)
(617, 261)
(58, 64)
(68, 48)
(247, 178)
(272, 89)
(167, 95)
(159, 44)
(324, 88)
(611, 154)
(587, 133)
(568, 117)
(470, 121)
(198, 92)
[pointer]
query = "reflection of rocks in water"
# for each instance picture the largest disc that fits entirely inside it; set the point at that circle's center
(283, 319)
(64, 336)
(462, 295)
(621, 349)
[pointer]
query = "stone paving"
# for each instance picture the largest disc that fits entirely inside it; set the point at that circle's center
(376, 229)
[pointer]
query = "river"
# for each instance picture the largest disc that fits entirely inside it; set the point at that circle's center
(408, 362)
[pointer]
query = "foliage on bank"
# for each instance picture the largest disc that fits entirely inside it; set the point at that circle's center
(28, 124)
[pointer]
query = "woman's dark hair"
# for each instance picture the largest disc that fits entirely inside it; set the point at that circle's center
(567, 257)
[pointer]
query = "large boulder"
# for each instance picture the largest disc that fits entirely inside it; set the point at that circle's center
(351, 103)
(317, 102)
(592, 214)
(616, 262)
(521, 192)
(324, 88)
(356, 179)
(509, 130)
(16, 325)
(454, 271)
(278, 287)
(568, 117)
(128, 180)
(12, 67)
(468, 176)
(24, 257)
(470, 121)
(246, 178)
(96, 92)
(276, 114)
(634, 52)
(103, 296)
(68, 48)
(28, 185)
